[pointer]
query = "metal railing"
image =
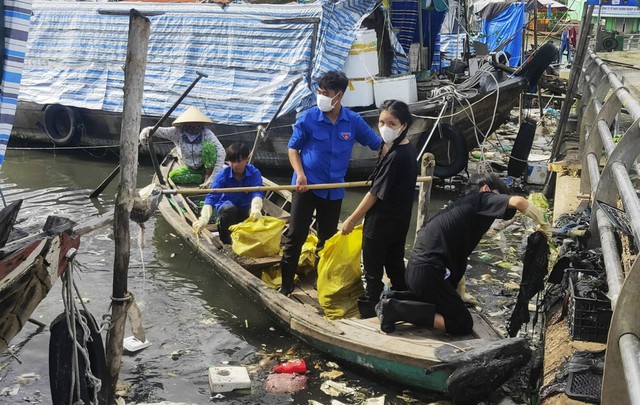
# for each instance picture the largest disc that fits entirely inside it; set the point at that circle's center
(604, 104)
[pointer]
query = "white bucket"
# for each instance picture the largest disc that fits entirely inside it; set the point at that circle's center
(362, 61)
(537, 169)
(359, 93)
(403, 88)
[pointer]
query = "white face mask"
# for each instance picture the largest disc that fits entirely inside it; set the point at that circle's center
(325, 103)
(389, 134)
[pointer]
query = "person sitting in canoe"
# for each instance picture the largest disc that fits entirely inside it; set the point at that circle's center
(387, 207)
(439, 258)
(233, 208)
(200, 153)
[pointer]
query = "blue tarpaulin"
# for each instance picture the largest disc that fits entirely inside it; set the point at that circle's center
(251, 53)
(504, 27)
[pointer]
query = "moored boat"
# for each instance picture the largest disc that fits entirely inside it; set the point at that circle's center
(414, 357)
(82, 105)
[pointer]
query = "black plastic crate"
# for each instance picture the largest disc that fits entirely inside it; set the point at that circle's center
(589, 318)
(584, 386)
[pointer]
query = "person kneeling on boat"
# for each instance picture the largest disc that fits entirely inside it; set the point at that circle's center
(387, 207)
(231, 207)
(200, 153)
(439, 258)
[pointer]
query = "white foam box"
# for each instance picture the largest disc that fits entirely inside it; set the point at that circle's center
(359, 93)
(402, 88)
(537, 169)
(228, 378)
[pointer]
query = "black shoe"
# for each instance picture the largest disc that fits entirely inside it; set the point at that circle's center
(367, 308)
(285, 289)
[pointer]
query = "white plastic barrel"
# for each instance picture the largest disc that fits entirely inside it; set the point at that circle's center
(362, 61)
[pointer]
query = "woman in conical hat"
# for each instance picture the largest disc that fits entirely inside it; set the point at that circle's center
(199, 151)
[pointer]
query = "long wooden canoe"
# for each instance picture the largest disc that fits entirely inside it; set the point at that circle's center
(415, 357)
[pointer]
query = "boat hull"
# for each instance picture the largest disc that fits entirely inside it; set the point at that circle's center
(26, 276)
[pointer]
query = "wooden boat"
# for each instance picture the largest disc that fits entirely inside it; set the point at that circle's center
(415, 357)
(465, 115)
(29, 267)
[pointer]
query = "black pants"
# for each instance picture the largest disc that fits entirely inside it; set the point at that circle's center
(302, 207)
(379, 255)
(229, 215)
(428, 284)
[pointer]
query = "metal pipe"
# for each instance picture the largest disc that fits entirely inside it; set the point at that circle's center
(628, 195)
(605, 135)
(613, 266)
(630, 355)
(594, 171)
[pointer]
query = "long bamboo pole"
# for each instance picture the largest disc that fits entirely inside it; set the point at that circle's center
(136, 62)
(322, 186)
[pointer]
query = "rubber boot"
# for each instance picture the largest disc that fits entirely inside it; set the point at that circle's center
(288, 275)
(367, 308)
(399, 295)
(391, 310)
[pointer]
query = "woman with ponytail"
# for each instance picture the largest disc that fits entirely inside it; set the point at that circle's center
(387, 207)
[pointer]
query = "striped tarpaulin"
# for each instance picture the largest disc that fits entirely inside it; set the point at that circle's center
(77, 52)
(16, 31)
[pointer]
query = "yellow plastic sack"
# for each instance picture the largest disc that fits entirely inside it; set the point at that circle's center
(339, 283)
(272, 276)
(257, 239)
(308, 253)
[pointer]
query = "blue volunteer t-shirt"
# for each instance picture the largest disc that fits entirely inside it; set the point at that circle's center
(225, 179)
(325, 148)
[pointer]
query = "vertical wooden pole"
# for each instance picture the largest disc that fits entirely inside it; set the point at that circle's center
(427, 165)
(139, 27)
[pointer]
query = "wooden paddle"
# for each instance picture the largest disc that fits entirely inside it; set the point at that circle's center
(195, 191)
(154, 158)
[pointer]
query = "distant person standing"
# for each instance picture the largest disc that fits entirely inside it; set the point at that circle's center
(564, 46)
(319, 151)
(387, 207)
(572, 34)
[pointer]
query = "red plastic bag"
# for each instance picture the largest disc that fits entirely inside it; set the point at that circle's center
(293, 366)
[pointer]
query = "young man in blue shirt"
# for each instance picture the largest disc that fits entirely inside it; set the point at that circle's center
(233, 208)
(319, 152)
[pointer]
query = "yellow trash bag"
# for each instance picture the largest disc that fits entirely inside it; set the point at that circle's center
(339, 283)
(308, 253)
(272, 276)
(257, 239)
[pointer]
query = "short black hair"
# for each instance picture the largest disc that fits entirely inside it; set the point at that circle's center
(495, 183)
(332, 80)
(238, 151)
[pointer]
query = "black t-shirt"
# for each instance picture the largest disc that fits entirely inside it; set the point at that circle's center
(450, 236)
(394, 184)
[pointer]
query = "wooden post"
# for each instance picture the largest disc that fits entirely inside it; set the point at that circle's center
(427, 166)
(139, 27)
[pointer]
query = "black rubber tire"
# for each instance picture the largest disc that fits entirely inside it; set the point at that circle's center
(63, 124)
(609, 44)
(448, 138)
(60, 356)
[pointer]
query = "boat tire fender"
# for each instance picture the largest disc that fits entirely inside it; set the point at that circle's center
(61, 347)
(63, 124)
(459, 146)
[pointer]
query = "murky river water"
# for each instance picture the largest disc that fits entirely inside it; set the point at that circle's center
(187, 308)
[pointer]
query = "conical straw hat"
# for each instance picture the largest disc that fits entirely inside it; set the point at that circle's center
(192, 116)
